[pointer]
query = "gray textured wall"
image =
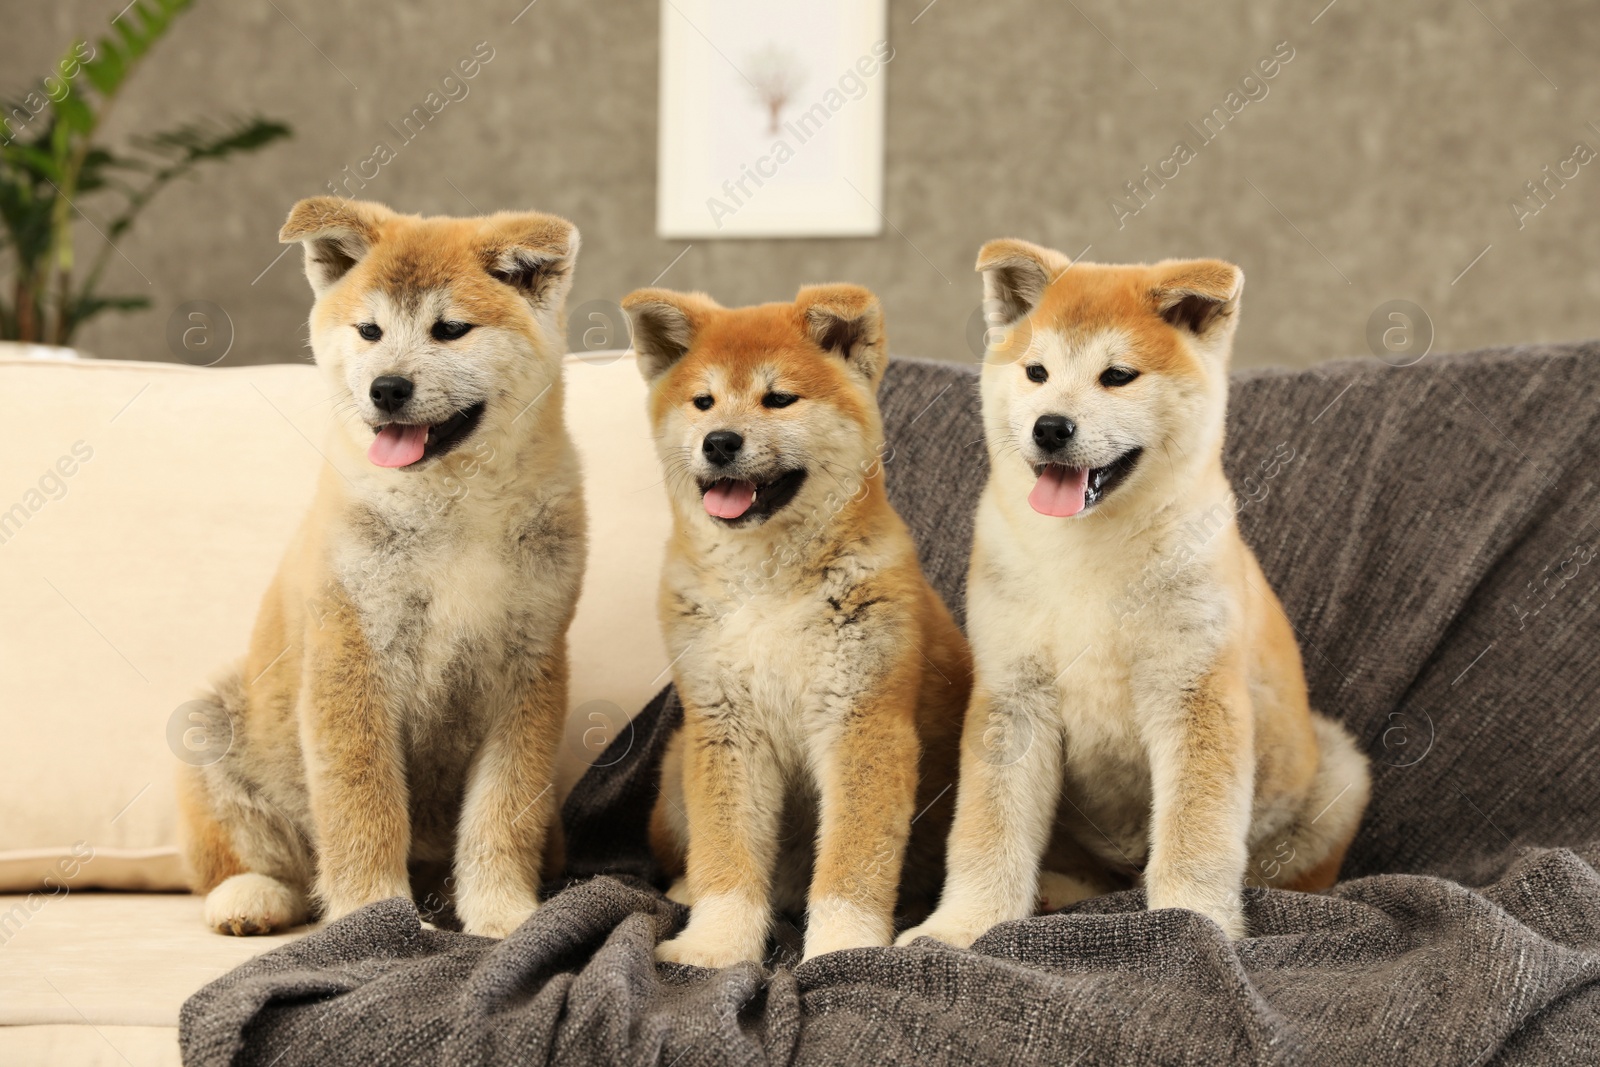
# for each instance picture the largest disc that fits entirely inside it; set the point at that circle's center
(1382, 160)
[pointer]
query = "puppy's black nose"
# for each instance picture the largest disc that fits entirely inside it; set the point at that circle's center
(390, 392)
(722, 446)
(1052, 432)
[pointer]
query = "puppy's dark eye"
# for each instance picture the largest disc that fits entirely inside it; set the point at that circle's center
(370, 331)
(778, 400)
(704, 402)
(1037, 373)
(449, 331)
(1115, 376)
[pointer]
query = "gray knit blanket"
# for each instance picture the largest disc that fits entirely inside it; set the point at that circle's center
(1432, 531)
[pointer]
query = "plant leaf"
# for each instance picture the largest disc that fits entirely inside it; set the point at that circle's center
(206, 140)
(106, 70)
(41, 165)
(73, 114)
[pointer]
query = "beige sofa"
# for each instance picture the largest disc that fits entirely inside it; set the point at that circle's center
(143, 507)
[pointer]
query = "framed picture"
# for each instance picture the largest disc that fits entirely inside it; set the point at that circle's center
(772, 118)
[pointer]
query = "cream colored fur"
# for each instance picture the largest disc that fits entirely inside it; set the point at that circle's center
(1139, 710)
(405, 687)
(821, 677)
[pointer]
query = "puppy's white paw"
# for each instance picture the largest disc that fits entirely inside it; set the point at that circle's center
(495, 919)
(947, 927)
(1233, 925)
(702, 949)
(353, 889)
(723, 929)
(1224, 909)
(249, 904)
(1229, 917)
(834, 924)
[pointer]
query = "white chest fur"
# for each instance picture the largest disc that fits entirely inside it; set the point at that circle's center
(786, 663)
(453, 594)
(1098, 621)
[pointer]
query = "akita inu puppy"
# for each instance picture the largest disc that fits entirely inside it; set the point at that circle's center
(1139, 710)
(406, 684)
(817, 668)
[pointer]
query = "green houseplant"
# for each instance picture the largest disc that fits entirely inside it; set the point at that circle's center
(53, 168)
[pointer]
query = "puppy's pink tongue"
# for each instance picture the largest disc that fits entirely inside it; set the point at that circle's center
(1059, 491)
(397, 445)
(730, 499)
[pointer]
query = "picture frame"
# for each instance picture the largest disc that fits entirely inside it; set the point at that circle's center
(772, 118)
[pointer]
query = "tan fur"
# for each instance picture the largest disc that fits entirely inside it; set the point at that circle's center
(209, 847)
(1139, 710)
(405, 688)
(822, 678)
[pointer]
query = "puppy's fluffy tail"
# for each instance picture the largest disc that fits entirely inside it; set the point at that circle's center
(1332, 810)
(204, 738)
(229, 824)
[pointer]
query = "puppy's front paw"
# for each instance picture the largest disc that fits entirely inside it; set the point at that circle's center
(946, 927)
(723, 929)
(336, 908)
(708, 946)
(249, 904)
(1224, 909)
(348, 889)
(833, 925)
(1231, 919)
(823, 942)
(497, 919)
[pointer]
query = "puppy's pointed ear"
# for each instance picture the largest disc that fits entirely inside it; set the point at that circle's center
(846, 320)
(337, 234)
(533, 253)
(1015, 274)
(1198, 296)
(664, 324)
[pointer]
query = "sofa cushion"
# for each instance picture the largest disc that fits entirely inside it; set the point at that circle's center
(143, 509)
(60, 1045)
(111, 959)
